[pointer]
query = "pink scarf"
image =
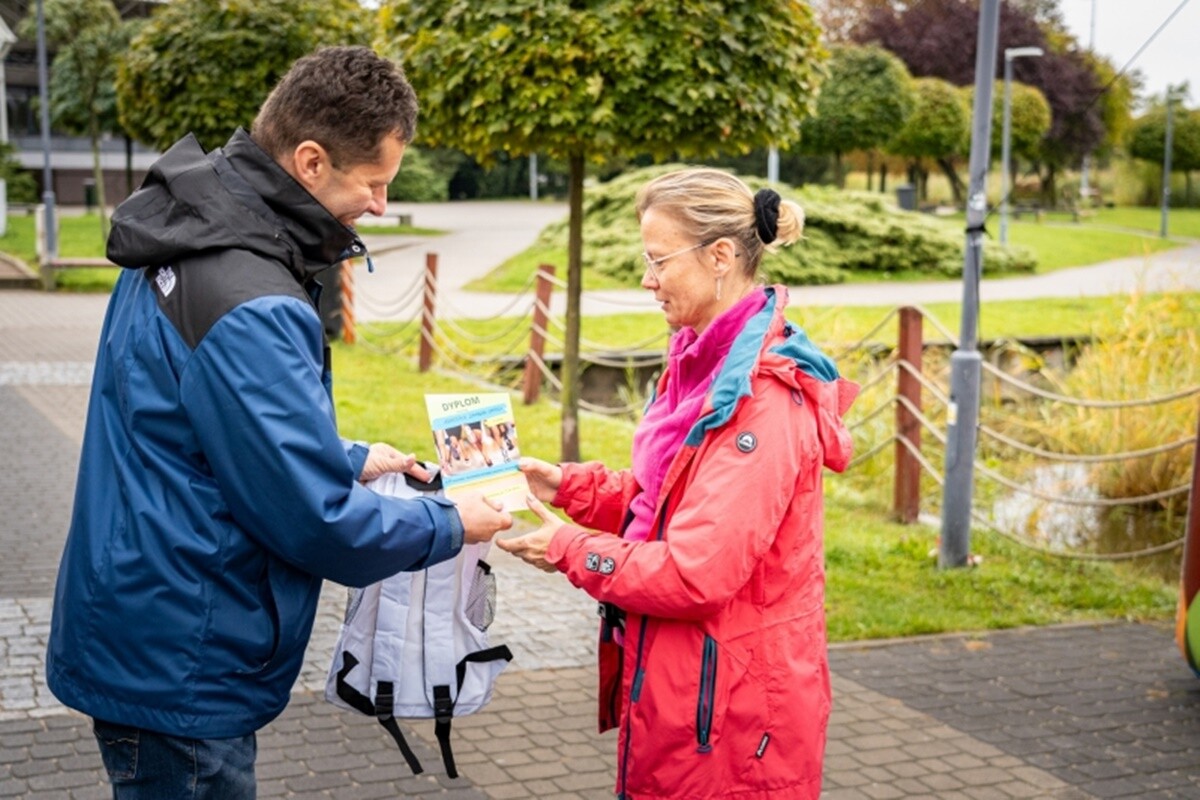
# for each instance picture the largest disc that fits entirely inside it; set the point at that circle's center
(693, 362)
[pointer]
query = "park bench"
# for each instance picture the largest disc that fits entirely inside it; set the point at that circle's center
(1027, 208)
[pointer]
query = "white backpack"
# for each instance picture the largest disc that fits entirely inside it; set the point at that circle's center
(415, 644)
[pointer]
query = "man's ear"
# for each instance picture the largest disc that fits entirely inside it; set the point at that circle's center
(310, 164)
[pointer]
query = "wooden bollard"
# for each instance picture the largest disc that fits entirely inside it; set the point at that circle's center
(537, 340)
(425, 357)
(906, 499)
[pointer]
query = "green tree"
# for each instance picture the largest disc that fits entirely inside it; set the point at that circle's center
(867, 98)
(21, 186)
(205, 66)
(580, 82)
(939, 128)
(1148, 140)
(89, 37)
(1030, 118)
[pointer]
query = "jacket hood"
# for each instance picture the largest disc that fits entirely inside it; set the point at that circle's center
(234, 197)
(792, 359)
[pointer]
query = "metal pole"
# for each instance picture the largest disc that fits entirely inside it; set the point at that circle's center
(1084, 188)
(533, 177)
(965, 363)
(1006, 156)
(773, 165)
(47, 176)
(1005, 147)
(1166, 180)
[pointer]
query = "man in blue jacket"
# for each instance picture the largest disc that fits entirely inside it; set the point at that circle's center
(214, 493)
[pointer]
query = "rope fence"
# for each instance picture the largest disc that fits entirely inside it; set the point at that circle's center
(509, 348)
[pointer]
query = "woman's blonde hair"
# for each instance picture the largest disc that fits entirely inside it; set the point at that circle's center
(711, 205)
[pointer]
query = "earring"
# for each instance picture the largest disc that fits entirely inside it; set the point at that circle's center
(718, 288)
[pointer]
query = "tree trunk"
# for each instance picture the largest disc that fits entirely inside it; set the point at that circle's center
(883, 176)
(1050, 187)
(956, 184)
(570, 367)
(838, 175)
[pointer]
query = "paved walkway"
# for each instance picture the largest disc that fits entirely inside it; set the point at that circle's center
(484, 234)
(1065, 712)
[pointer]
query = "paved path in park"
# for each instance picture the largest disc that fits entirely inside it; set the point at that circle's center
(1068, 713)
(481, 235)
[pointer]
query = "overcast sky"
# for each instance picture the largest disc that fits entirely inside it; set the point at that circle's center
(1123, 26)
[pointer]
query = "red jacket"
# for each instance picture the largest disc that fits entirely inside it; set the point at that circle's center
(722, 686)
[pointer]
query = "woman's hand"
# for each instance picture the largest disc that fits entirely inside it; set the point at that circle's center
(531, 548)
(543, 478)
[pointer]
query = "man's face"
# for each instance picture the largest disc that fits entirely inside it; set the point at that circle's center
(362, 189)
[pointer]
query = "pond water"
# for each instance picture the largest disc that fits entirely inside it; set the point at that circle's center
(1059, 526)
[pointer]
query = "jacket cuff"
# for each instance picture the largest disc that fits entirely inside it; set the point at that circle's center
(556, 553)
(357, 453)
(450, 532)
(562, 495)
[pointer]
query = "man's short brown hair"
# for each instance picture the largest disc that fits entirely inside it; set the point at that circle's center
(346, 99)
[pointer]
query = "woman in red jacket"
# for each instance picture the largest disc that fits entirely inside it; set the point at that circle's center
(707, 552)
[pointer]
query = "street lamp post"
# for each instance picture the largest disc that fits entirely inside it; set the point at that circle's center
(1168, 145)
(1084, 188)
(1009, 54)
(47, 176)
(7, 40)
(965, 363)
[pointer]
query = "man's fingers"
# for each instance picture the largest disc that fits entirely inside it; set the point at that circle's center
(418, 471)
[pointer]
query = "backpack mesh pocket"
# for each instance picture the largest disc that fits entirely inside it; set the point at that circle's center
(480, 607)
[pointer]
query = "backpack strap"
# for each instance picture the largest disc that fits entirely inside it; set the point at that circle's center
(381, 709)
(443, 705)
(384, 708)
(441, 590)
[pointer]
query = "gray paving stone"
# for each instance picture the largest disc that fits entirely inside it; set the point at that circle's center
(1071, 713)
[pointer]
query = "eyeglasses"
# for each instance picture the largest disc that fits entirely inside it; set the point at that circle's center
(654, 265)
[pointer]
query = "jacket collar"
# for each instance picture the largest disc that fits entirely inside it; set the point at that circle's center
(320, 239)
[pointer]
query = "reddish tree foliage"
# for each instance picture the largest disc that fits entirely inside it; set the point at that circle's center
(937, 38)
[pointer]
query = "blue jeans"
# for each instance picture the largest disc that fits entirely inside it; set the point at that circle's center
(144, 765)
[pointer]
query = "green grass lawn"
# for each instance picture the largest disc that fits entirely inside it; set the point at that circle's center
(1181, 222)
(1061, 245)
(882, 581)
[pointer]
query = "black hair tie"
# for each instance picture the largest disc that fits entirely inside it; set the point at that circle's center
(766, 214)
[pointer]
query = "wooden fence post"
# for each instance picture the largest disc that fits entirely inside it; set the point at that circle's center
(425, 359)
(906, 502)
(537, 339)
(1189, 573)
(348, 334)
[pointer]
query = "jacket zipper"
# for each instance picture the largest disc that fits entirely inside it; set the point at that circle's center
(638, 673)
(708, 691)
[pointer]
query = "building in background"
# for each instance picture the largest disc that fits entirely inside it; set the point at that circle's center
(124, 162)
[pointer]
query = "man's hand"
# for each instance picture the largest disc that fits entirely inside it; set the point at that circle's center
(482, 518)
(543, 478)
(382, 458)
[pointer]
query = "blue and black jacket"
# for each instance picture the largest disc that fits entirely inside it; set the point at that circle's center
(214, 493)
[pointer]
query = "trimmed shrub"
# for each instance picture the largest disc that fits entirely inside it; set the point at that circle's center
(845, 233)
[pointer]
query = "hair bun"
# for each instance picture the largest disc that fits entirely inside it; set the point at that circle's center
(766, 214)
